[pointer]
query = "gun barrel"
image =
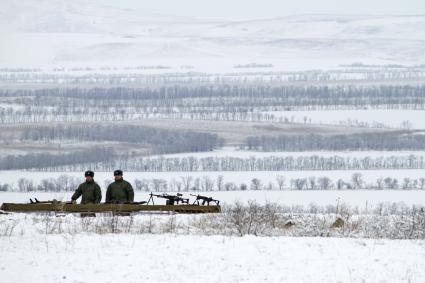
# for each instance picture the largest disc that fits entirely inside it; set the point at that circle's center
(203, 197)
(158, 196)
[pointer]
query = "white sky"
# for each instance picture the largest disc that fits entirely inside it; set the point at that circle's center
(272, 8)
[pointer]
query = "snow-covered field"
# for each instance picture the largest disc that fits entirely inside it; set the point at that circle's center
(90, 33)
(64, 40)
(170, 258)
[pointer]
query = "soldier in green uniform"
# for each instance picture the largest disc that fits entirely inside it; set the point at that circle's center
(89, 190)
(119, 191)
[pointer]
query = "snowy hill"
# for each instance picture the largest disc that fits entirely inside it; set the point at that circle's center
(62, 33)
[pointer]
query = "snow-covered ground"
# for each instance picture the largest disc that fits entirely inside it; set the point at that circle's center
(170, 258)
(90, 33)
(355, 198)
(65, 37)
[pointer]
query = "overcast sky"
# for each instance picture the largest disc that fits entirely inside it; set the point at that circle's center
(272, 8)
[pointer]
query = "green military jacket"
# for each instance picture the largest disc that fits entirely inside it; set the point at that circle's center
(90, 192)
(120, 191)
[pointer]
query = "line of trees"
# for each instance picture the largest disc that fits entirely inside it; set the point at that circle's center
(127, 76)
(47, 160)
(38, 115)
(220, 95)
(209, 102)
(271, 163)
(392, 141)
(257, 95)
(209, 184)
(158, 140)
(106, 159)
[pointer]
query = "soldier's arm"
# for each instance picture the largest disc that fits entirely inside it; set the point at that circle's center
(130, 193)
(78, 192)
(98, 194)
(108, 194)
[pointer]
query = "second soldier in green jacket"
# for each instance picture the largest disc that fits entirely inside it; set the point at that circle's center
(119, 191)
(89, 190)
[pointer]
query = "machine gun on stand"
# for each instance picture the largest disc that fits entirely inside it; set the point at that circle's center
(171, 199)
(205, 200)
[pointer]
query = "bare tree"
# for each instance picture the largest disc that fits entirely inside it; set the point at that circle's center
(220, 182)
(159, 185)
(391, 183)
(187, 182)
(324, 183)
(407, 183)
(207, 183)
(229, 186)
(25, 185)
(312, 183)
(380, 183)
(255, 184)
(280, 182)
(299, 183)
(357, 180)
(422, 183)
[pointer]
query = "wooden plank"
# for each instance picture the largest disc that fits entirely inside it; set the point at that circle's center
(106, 207)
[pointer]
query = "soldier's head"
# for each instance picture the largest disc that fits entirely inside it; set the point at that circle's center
(118, 175)
(89, 175)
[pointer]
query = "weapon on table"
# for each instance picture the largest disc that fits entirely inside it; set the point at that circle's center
(205, 200)
(171, 199)
(126, 202)
(53, 201)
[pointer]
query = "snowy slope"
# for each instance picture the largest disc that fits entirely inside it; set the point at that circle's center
(88, 33)
(170, 258)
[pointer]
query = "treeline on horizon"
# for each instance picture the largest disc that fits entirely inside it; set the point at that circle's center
(159, 140)
(390, 141)
(108, 160)
(216, 95)
(66, 183)
(156, 141)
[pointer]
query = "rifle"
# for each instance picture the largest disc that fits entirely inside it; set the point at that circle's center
(54, 201)
(171, 199)
(205, 200)
(126, 202)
